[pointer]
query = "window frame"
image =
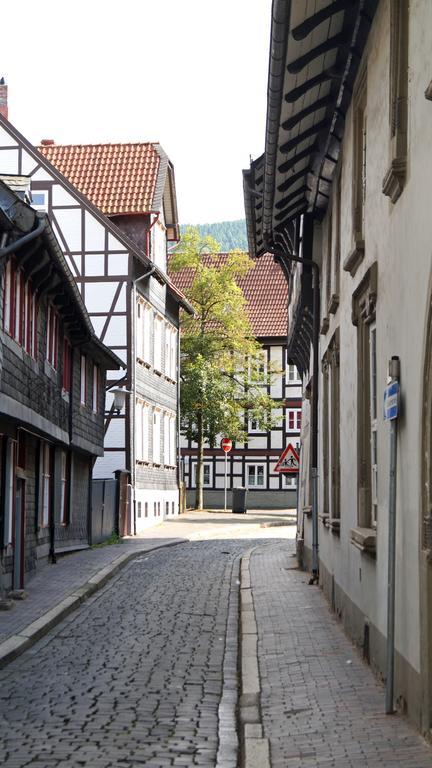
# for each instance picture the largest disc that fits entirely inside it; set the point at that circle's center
(83, 380)
(255, 465)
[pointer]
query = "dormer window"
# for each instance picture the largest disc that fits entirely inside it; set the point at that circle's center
(39, 200)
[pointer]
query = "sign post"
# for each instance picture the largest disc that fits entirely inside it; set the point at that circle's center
(226, 445)
(391, 413)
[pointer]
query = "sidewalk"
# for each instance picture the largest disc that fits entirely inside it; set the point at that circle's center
(321, 705)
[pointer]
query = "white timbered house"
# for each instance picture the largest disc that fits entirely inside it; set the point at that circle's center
(252, 464)
(112, 208)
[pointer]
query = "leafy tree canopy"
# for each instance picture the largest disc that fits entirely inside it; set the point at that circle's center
(223, 371)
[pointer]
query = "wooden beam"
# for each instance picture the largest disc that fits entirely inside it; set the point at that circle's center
(288, 164)
(282, 215)
(324, 101)
(297, 65)
(333, 74)
(308, 25)
(292, 179)
(289, 198)
(312, 131)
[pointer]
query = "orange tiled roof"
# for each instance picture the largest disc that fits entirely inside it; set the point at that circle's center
(266, 292)
(117, 178)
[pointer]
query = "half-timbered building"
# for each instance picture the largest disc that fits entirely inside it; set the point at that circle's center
(252, 464)
(113, 208)
(52, 394)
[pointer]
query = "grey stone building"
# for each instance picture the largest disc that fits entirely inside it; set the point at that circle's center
(52, 394)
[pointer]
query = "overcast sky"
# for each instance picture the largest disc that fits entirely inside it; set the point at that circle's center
(191, 74)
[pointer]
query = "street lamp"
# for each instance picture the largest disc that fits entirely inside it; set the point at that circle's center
(119, 398)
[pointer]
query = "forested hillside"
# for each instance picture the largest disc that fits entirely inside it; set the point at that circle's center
(229, 234)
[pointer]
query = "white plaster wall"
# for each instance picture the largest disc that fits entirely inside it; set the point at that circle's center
(153, 497)
(399, 237)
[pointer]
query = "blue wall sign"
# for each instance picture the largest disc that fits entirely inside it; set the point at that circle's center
(391, 401)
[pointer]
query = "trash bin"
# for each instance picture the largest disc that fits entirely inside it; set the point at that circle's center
(239, 500)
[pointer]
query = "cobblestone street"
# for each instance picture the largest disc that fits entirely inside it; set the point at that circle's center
(134, 677)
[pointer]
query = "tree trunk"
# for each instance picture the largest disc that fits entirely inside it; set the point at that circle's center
(200, 463)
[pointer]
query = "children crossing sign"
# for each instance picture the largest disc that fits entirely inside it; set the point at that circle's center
(288, 461)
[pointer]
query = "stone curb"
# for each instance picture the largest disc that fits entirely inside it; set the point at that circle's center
(256, 748)
(15, 645)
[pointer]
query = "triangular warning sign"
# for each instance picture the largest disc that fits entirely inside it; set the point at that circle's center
(288, 461)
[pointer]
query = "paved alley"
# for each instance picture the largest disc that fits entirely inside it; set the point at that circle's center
(321, 705)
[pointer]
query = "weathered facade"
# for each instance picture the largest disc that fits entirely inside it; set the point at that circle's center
(113, 229)
(252, 465)
(347, 158)
(52, 395)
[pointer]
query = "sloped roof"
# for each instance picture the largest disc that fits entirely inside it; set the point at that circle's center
(117, 178)
(265, 289)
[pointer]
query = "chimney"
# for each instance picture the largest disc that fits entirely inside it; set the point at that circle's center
(47, 142)
(3, 98)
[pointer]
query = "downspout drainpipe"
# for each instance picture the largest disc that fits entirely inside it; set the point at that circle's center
(133, 409)
(17, 244)
(283, 255)
(179, 477)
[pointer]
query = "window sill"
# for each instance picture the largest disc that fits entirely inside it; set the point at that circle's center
(354, 259)
(324, 519)
(65, 396)
(143, 363)
(394, 180)
(364, 539)
(307, 511)
(334, 526)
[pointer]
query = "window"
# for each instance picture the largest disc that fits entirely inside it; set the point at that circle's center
(83, 380)
(353, 260)
(207, 475)
(394, 180)
(141, 431)
(294, 419)
(373, 421)
(166, 443)
(67, 366)
(156, 437)
(173, 441)
(64, 495)
(255, 475)
(173, 354)
(253, 425)
(258, 367)
(146, 509)
(139, 505)
(172, 508)
(292, 374)
(8, 494)
(95, 392)
(167, 507)
(19, 309)
(290, 481)
(52, 337)
(143, 331)
(363, 315)
(39, 200)
(46, 484)
(157, 344)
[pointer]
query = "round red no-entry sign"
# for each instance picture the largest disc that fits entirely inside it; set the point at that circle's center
(226, 444)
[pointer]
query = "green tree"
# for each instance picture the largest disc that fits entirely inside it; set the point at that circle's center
(222, 366)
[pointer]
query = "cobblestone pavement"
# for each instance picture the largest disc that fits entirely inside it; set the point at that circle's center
(134, 676)
(55, 582)
(321, 704)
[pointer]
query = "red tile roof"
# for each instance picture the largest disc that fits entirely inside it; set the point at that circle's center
(117, 178)
(266, 292)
